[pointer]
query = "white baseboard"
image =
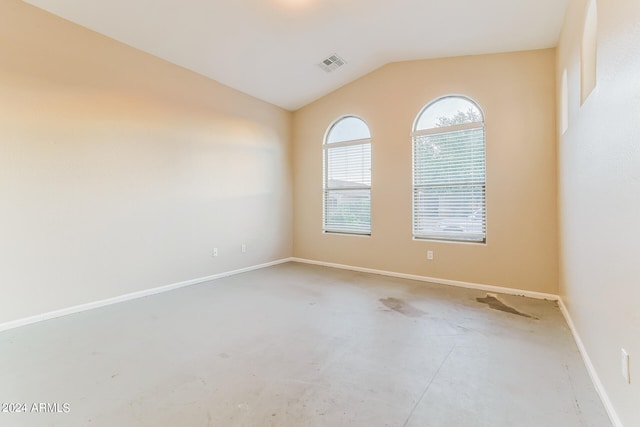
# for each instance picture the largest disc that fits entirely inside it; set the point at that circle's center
(127, 297)
(604, 397)
(595, 379)
(448, 282)
(489, 288)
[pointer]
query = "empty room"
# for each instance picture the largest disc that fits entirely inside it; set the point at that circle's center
(320, 213)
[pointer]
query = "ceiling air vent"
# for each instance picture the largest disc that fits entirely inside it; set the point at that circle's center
(331, 63)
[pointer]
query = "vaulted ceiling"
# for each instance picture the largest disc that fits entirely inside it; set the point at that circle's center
(271, 48)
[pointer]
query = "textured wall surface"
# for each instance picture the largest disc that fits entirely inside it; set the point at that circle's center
(599, 202)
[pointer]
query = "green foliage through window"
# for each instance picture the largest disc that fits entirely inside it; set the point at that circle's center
(449, 173)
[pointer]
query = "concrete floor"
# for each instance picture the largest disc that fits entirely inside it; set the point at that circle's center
(299, 345)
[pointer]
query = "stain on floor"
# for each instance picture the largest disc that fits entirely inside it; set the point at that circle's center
(493, 302)
(402, 307)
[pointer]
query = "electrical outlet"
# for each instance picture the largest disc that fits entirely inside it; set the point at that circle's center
(625, 365)
(215, 252)
(429, 255)
(244, 248)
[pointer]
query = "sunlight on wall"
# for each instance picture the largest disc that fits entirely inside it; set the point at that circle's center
(295, 4)
(589, 52)
(564, 103)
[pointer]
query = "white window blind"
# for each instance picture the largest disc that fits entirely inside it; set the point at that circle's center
(449, 172)
(347, 178)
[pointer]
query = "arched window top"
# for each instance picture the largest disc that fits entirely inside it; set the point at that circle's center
(448, 111)
(347, 177)
(449, 172)
(348, 128)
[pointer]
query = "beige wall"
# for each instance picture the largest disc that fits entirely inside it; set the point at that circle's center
(517, 93)
(599, 194)
(120, 172)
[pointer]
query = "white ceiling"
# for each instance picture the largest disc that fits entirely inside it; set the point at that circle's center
(270, 48)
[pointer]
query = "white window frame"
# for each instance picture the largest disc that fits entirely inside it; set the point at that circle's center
(327, 189)
(454, 236)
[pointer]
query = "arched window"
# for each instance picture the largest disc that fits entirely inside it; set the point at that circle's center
(449, 171)
(347, 177)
